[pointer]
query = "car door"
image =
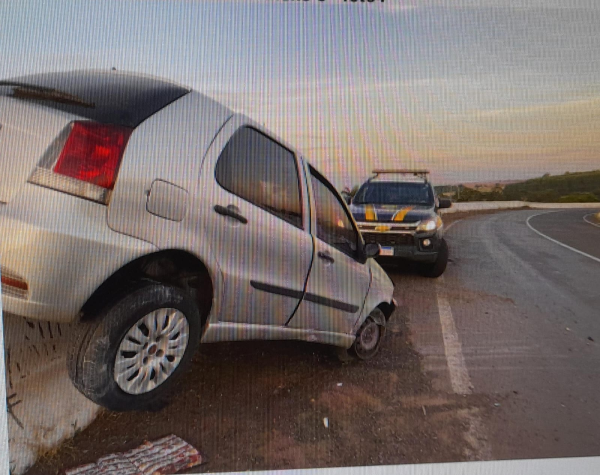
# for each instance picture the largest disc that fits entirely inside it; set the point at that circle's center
(254, 208)
(338, 282)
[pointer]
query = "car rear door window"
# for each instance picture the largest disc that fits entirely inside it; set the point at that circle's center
(261, 171)
(333, 223)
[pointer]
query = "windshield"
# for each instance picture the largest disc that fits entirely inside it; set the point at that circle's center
(394, 194)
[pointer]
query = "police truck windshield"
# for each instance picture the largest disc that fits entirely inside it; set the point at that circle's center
(394, 193)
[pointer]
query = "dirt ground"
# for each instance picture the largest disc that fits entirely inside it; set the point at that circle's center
(254, 406)
(265, 405)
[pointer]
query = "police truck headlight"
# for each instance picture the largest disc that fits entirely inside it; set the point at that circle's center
(430, 224)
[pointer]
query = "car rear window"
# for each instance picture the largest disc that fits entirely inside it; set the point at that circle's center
(108, 97)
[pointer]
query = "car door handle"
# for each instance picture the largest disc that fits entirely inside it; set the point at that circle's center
(231, 211)
(326, 257)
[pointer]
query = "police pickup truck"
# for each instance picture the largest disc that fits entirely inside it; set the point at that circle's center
(398, 209)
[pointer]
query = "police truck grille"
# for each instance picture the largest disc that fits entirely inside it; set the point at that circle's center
(385, 239)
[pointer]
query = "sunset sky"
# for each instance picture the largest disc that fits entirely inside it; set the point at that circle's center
(480, 90)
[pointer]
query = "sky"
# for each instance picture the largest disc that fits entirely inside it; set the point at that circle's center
(473, 90)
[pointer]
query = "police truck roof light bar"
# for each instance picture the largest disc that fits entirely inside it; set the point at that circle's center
(403, 171)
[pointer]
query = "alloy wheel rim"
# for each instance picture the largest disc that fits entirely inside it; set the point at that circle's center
(151, 350)
(369, 337)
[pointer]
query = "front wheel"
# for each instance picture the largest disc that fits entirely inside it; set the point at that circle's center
(368, 339)
(129, 357)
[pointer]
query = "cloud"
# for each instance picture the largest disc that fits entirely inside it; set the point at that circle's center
(347, 129)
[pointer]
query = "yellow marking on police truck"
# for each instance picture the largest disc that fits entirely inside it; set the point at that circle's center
(401, 214)
(370, 213)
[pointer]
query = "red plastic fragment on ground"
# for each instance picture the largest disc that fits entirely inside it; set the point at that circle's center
(163, 456)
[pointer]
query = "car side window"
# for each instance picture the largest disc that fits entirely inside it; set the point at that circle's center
(333, 223)
(259, 170)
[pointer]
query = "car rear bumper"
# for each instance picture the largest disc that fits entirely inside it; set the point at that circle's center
(55, 252)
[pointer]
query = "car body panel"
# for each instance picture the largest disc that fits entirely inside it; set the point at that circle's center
(169, 146)
(25, 135)
(335, 290)
(66, 247)
(226, 331)
(55, 254)
(380, 291)
(263, 273)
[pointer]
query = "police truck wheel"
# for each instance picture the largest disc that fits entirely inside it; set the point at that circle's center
(439, 266)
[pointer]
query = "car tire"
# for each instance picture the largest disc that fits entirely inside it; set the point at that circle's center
(131, 354)
(368, 339)
(439, 266)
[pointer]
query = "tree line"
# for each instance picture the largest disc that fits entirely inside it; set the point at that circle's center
(581, 187)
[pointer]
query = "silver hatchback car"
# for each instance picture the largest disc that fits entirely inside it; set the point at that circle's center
(158, 219)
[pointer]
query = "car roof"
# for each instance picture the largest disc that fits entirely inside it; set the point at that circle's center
(113, 97)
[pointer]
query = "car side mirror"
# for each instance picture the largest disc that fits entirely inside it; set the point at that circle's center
(444, 203)
(372, 250)
(348, 199)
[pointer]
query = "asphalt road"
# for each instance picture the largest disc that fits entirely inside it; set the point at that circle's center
(517, 318)
(570, 229)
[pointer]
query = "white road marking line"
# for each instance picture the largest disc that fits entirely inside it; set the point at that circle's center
(459, 375)
(588, 221)
(554, 240)
(452, 224)
(476, 437)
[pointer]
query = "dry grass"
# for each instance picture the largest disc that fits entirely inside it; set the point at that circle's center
(53, 458)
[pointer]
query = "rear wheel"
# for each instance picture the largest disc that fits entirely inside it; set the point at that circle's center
(439, 266)
(130, 356)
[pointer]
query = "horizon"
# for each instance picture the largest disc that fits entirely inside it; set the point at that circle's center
(489, 182)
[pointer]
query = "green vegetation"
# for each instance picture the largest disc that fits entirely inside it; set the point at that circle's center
(579, 198)
(581, 187)
(568, 188)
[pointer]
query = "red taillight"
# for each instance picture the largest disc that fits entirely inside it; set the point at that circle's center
(14, 282)
(14, 285)
(93, 153)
